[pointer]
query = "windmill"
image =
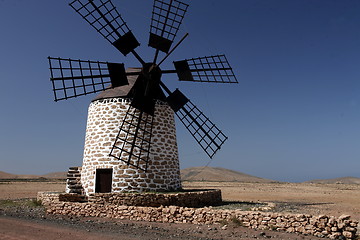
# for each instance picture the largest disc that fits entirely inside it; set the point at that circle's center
(137, 103)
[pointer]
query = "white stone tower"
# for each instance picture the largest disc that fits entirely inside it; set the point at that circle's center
(102, 173)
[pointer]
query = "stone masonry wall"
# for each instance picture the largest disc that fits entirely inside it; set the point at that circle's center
(195, 198)
(342, 227)
(189, 199)
(104, 120)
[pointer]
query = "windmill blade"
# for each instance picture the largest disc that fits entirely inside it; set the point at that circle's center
(209, 137)
(132, 144)
(72, 78)
(167, 16)
(103, 16)
(205, 69)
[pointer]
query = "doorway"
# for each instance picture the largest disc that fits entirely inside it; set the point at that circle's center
(103, 180)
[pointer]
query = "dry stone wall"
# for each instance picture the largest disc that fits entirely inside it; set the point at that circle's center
(104, 119)
(342, 227)
(196, 198)
(189, 199)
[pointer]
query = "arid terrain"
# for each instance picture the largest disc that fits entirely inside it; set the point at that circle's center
(244, 192)
(315, 199)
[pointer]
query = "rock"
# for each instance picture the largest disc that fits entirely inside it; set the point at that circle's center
(341, 225)
(332, 221)
(173, 209)
(295, 224)
(353, 224)
(348, 234)
(344, 217)
(224, 227)
(335, 235)
(300, 229)
(334, 229)
(309, 227)
(350, 229)
(318, 234)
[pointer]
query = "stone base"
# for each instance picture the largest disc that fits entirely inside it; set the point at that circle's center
(188, 198)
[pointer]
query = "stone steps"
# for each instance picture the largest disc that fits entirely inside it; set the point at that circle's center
(73, 175)
(77, 191)
(73, 182)
(75, 168)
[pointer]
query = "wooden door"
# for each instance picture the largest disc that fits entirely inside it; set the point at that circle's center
(103, 180)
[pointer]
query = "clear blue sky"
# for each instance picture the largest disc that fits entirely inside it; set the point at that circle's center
(294, 116)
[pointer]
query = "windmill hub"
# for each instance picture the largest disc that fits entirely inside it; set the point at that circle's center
(152, 72)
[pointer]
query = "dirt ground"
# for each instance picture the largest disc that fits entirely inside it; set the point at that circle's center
(316, 199)
(19, 190)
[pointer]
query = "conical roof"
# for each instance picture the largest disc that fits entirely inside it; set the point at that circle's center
(122, 91)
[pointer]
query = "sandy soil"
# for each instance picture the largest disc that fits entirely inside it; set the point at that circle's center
(18, 190)
(17, 229)
(316, 199)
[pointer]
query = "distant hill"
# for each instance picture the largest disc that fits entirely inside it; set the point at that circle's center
(5, 175)
(212, 174)
(188, 174)
(55, 175)
(342, 180)
(217, 174)
(58, 175)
